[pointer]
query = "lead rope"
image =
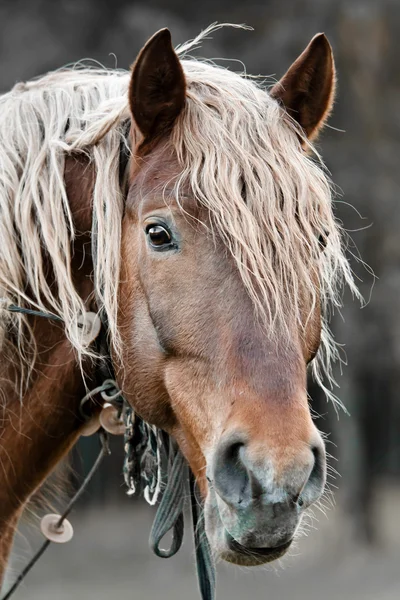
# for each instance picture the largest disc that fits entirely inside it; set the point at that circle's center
(206, 574)
(169, 513)
(169, 516)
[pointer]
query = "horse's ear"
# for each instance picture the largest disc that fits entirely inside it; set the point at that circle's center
(307, 90)
(157, 86)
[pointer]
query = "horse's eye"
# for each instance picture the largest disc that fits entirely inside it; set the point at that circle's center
(158, 235)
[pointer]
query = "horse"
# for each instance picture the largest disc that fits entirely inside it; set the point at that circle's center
(217, 260)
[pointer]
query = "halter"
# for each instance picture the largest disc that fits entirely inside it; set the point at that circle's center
(152, 458)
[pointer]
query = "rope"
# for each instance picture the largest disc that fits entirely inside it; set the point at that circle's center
(169, 514)
(5, 305)
(105, 450)
(114, 398)
(144, 446)
(206, 576)
(28, 567)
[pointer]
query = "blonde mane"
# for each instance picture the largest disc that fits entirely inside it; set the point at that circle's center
(242, 156)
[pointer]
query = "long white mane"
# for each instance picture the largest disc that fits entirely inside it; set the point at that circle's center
(241, 155)
(76, 110)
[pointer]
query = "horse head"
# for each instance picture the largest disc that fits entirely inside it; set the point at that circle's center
(229, 249)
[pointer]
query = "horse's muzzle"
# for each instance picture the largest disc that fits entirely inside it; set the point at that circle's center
(254, 505)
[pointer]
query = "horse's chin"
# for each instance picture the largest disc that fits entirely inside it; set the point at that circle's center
(253, 557)
(229, 550)
(225, 547)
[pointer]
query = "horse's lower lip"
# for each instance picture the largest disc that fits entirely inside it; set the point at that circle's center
(276, 552)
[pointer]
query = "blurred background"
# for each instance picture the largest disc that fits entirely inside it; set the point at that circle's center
(353, 551)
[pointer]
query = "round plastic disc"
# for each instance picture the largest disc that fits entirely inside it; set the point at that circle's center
(91, 426)
(88, 326)
(110, 421)
(59, 535)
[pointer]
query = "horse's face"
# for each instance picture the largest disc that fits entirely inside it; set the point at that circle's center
(198, 363)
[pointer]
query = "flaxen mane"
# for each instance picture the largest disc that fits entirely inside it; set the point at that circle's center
(270, 202)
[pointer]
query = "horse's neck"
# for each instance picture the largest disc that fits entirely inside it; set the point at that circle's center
(37, 430)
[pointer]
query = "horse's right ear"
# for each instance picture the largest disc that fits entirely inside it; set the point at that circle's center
(307, 90)
(157, 87)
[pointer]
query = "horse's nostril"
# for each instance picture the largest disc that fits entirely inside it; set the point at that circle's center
(244, 483)
(318, 471)
(316, 481)
(231, 478)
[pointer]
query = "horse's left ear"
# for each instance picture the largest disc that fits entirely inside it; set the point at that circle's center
(307, 90)
(157, 87)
